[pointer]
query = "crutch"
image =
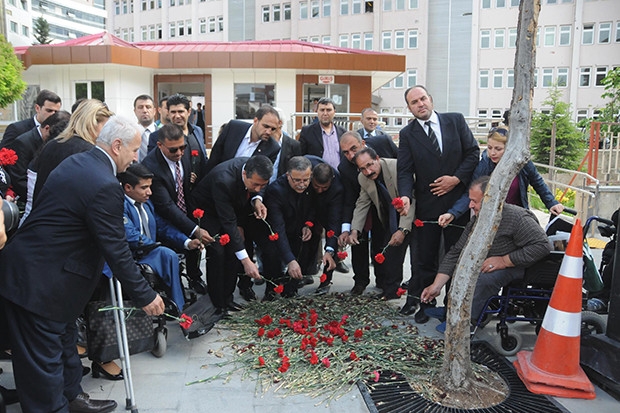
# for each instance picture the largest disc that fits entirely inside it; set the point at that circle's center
(116, 293)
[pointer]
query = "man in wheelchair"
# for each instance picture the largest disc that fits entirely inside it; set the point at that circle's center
(519, 242)
(145, 229)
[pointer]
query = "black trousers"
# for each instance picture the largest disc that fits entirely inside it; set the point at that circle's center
(47, 368)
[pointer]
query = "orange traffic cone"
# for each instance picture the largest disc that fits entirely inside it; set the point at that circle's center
(553, 366)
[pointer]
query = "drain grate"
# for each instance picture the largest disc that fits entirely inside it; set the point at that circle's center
(393, 394)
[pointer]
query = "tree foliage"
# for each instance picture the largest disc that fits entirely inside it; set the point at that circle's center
(11, 84)
(42, 31)
(569, 142)
(611, 111)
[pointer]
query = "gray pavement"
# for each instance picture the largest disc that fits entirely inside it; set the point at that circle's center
(160, 384)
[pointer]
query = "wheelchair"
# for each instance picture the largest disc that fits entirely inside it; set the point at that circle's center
(526, 300)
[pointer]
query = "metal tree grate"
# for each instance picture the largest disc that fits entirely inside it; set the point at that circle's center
(393, 394)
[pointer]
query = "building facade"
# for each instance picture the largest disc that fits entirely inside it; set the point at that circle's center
(462, 50)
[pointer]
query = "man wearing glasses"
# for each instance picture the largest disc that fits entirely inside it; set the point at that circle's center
(172, 182)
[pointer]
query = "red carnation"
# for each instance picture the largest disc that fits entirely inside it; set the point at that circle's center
(326, 362)
(380, 258)
(274, 237)
(261, 361)
(7, 157)
(279, 289)
(314, 359)
(198, 213)
(261, 332)
(342, 255)
(323, 278)
(358, 333)
(194, 152)
(186, 321)
(353, 356)
(309, 224)
(400, 292)
(224, 239)
(418, 223)
(398, 203)
(330, 233)
(283, 368)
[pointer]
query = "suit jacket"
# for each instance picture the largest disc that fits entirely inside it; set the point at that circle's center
(381, 142)
(228, 142)
(15, 129)
(369, 195)
(328, 204)
(164, 194)
(289, 147)
(311, 139)
(54, 262)
(225, 200)
(25, 146)
(419, 162)
(348, 176)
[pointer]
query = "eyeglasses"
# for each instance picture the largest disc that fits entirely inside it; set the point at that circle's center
(501, 131)
(300, 180)
(175, 149)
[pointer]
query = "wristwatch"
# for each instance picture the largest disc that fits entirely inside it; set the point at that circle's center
(404, 230)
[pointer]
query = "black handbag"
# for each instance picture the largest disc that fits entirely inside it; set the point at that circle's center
(101, 332)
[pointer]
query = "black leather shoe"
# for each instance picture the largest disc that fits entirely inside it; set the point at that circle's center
(9, 395)
(420, 317)
(322, 290)
(83, 404)
(358, 289)
(85, 370)
(233, 306)
(260, 281)
(409, 308)
(342, 267)
(405, 285)
(247, 294)
(307, 280)
(198, 285)
(99, 371)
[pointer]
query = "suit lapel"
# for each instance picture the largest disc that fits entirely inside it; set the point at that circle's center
(424, 140)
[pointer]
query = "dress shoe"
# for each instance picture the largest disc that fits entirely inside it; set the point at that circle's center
(233, 306)
(307, 280)
(99, 371)
(247, 294)
(322, 290)
(409, 308)
(420, 316)
(436, 312)
(259, 281)
(83, 404)
(85, 370)
(9, 395)
(198, 285)
(358, 289)
(82, 351)
(405, 285)
(342, 267)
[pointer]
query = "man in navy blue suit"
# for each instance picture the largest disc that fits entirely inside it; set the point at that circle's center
(50, 268)
(143, 236)
(375, 137)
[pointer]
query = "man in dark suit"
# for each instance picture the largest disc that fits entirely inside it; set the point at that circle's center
(230, 197)
(240, 138)
(436, 158)
(46, 104)
(321, 138)
(175, 175)
(46, 285)
(143, 236)
(144, 109)
(289, 205)
(378, 183)
(375, 137)
(289, 147)
(26, 146)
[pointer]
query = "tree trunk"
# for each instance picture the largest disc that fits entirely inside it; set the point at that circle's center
(456, 368)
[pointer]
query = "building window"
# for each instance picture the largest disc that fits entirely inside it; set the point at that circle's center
(344, 7)
(387, 5)
(117, 7)
(535, 77)
(173, 3)
(266, 13)
(303, 10)
(483, 113)
(552, 1)
(172, 29)
(327, 40)
(547, 77)
(220, 23)
(369, 6)
(618, 32)
(315, 9)
(399, 81)
(565, 32)
(512, 38)
(368, 41)
(356, 7)
(587, 36)
(90, 90)
(385, 120)
(160, 32)
(399, 39)
(144, 5)
(413, 4)
(400, 5)
(26, 31)
(499, 38)
(483, 79)
(550, 36)
(485, 39)
(327, 8)
(538, 36)
(412, 77)
(250, 97)
(202, 25)
(314, 39)
(211, 24)
(386, 40)
(412, 37)
(604, 32)
(498, 78)
(500, 3)
(562, 80)
(276, 13)
(143, 33)
(344, 40)
(510, 78)
(181, 26)
(14, 27)
(584, 76)
(287, 11)
(582, 114)
(387, 86)
(356, 41)
(486, 4)
(515, 3)
(601, 72)
(152, 32)
(188, 26)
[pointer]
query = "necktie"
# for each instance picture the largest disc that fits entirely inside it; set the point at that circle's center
(144, 145)
(432, 137)
(144, 219)
(179, 184)
(386, 204)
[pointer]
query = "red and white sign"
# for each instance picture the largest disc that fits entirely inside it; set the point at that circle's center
(326, 79)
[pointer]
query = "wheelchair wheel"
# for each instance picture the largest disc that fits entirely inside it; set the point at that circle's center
(161, 342)
(592, 323)
(509, 345)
